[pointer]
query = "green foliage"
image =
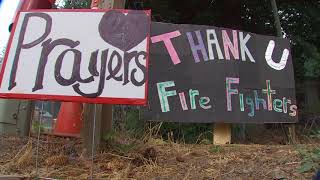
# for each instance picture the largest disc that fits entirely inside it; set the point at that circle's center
(111, 139)
(257, 17)
(315, 134)
(301, 22)
(310, 160)
(134, 124)
(216, 149)
(312, 62)
(205, 12)
(109, 136)
(36, 125)
(239, 131)
(186, 132)
(305, 167)
(206, 141)
(125, 148)
(76, 4)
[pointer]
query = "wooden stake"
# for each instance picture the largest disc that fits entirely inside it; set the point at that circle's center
(292, 134)
(103, 112)
(107, 117)
(221, 133)
(87, 128)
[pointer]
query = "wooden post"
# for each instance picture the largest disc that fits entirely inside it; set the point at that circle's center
(221, 133)
(107, 110)
(103, 112)
(291, 128)
(87, 130)
(25, 128)
(107, 117)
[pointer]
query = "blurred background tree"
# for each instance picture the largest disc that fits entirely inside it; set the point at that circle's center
(73, 4)
(2, 54)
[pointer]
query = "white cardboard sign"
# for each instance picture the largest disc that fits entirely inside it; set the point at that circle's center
(88, 56)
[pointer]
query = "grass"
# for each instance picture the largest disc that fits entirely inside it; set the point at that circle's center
(216, 149)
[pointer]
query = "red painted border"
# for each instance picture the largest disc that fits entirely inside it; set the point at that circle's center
(148, 12)
(99, 100)
(148, 59)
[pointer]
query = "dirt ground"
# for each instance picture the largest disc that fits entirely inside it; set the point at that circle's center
(64, 158)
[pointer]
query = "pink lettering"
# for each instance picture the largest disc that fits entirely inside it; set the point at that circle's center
(166, 38)
(229, 46)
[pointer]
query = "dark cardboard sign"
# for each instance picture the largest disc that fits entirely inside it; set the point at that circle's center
(209, 74)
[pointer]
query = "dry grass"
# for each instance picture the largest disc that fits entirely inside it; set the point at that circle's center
(153, 158)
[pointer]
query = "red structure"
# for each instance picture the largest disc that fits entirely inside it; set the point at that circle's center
(32, 4)
(37, 4)
(95, 4)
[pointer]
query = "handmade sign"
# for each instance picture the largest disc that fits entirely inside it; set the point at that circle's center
(96, 56)
(209, 74)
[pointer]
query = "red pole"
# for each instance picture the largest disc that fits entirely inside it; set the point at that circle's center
(32, 4)
(95, 4)
(37, 4)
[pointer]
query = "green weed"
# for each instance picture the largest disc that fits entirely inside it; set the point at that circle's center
(216, 149)
(310, 160)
